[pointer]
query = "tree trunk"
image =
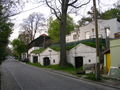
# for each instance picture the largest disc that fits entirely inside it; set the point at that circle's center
(63, 57)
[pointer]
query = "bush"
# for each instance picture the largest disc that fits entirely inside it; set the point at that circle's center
(91, 77)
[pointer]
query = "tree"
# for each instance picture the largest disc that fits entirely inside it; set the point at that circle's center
(5, 31)
(33, 24)
(112, 13)
(109, 14)
(86, 20)
(54, 26)
(18, 47)
(12, 7)
(25, 37)
(60, 9)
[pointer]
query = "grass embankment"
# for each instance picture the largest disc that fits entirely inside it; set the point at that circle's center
(69, 69)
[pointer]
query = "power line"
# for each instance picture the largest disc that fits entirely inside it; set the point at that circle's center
(27, 10)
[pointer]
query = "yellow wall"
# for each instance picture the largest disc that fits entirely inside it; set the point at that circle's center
(108, 62)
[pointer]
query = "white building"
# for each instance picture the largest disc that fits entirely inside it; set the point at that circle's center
(78, 56)
(105, 28)
(81, 55)
(46, 57)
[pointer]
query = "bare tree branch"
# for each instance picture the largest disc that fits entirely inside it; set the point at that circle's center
(72, 2)
(60, 1)
(55, 12)
(80, 5)
(33, 24)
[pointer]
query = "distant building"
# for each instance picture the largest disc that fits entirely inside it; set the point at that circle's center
(115, 52)
(105, 28)
(115, 58)
(42, 41)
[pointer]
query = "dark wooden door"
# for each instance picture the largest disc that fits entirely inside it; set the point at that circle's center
(78, 62)
(35, 59)
(46, 61)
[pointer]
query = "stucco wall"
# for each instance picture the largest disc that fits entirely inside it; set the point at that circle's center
(115, 52)
(53, 55)
(113, 24)
(88, 53)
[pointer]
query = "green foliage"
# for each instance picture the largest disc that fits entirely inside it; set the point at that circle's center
(56, 48)
(91, 77)
(109, 14)
(112, 13)
(54, 28)
(18, 47)
(5, 31)
(84, 21)
(89, 42)
(38, 50)
(68, 68)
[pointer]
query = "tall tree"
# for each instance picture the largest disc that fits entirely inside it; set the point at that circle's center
(54, 26)
(5, 31)
(60, 9)
(33, 24)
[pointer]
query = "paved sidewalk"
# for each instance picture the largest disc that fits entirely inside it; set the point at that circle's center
(109, 83)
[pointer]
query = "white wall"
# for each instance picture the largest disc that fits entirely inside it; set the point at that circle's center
(53, 55)
(31, 57)
(88, 53)
(113, 24)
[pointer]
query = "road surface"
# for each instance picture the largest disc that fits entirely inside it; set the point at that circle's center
(19, 76)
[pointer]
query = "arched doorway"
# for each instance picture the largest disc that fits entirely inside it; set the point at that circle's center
(46, 61)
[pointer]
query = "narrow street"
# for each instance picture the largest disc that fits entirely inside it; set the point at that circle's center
(19, 76)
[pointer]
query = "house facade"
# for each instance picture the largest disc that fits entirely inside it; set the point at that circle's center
(115, 58)
(46, 57)
(105, 28)
(115, 52)
(49, 57)
(81, 55)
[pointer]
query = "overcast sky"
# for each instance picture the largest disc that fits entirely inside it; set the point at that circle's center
(105, 4)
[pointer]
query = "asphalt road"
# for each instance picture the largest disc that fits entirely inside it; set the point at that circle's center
(19, 76)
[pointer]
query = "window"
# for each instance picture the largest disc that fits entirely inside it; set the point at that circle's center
(89, 60)
(87, 35)
(107, 31)
(74, 36)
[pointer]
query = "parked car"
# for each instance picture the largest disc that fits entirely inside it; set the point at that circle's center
(25, 60)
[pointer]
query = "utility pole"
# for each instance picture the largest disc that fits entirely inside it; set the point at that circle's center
(97, 43)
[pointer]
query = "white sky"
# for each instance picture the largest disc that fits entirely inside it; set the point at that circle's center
(105, 4)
